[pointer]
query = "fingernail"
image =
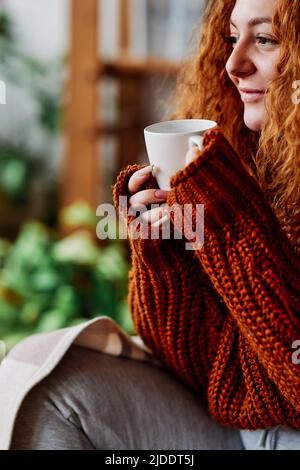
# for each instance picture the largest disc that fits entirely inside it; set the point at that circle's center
(160, 194)
(145, 171)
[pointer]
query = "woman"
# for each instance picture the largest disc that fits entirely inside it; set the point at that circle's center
(222, 319)
(225, 319)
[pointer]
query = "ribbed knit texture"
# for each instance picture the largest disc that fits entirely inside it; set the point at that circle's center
(222, 318)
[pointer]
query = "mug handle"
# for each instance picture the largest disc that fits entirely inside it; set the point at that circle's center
(194, 141)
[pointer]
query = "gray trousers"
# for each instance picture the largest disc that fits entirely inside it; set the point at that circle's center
(277, 438)
(93, 400)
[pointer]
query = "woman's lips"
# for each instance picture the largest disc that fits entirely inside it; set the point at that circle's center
(250, 95)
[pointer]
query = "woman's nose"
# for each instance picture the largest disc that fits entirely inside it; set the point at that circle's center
(240, 63)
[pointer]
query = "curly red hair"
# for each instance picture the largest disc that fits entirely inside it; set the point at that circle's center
(204, 90)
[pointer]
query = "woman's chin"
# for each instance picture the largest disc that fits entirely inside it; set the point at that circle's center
(254, 116)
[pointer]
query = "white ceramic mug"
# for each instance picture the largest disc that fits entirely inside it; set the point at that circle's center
(168, 144)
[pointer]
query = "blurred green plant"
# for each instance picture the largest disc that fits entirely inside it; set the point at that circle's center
(18, 168)
(47, 282)
(19, 165)
(5, 25)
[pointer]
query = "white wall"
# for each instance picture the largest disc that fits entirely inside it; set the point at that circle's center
(41, 30)
(42, 26)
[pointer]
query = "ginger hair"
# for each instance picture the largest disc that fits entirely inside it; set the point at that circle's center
(204, 90)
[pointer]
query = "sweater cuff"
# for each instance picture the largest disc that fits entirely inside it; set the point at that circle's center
(217, 179)
(121, 186)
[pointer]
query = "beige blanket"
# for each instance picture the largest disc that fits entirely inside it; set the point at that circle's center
(35, 357)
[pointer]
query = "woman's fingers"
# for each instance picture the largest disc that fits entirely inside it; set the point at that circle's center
(139, 198)
(161, 221)
(148, 196)
(138, 178)
(154, 215)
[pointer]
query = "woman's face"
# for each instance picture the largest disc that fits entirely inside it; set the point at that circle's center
(252, 63)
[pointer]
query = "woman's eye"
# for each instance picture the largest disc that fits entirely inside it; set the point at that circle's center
(262, 40)
(231, 40)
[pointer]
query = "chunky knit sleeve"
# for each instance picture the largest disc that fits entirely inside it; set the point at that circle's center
(256, 272)
(175, 308)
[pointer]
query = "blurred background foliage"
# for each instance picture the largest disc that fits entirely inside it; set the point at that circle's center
(24, 172)
(48, 281)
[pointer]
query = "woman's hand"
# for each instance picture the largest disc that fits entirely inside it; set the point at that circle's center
(155, 216)
(159, 215)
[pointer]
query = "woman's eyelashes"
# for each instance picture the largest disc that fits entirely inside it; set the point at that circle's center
(261, 40)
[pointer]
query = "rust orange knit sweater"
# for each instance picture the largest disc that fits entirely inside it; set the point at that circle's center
(222, 318)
